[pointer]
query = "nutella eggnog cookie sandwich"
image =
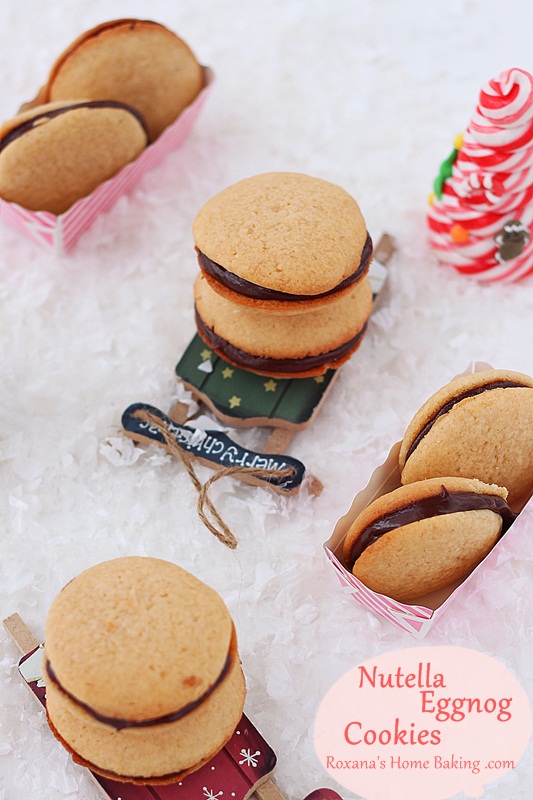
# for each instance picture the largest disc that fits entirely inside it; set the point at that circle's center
(143, 678)
(283, 289)
(282, 241)
(57, 153)
(477, 426)
(284, 346)
(138, 62)
(424, 536)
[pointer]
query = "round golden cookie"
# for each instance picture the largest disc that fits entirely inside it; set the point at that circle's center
(282, 240)
(477, 426)
(142, 670)
(55, 154)
(292, 345)
(426, 535)
(157, 754)
(138, 62)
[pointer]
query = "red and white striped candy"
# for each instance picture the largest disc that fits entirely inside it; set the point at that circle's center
(491, 184)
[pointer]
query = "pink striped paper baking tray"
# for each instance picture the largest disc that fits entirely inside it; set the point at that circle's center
(417, 619)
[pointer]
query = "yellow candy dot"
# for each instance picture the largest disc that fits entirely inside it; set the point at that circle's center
(459, 234)
(458, 141)
(431, 198)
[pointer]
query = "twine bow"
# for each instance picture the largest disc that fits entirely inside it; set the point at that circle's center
(205, 505)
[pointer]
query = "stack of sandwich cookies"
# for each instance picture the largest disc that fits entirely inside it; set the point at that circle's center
(424, 536)
(143, 677)
(137, 62)
(467, 451)
(477, 426)
(110, 93)
(283, 289)
(57, 153)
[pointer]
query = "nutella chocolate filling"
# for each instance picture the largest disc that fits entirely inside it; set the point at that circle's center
(256, 292)
(444, 503)
(119, 724)
(29, 124)
(451, 403)
(289, 365)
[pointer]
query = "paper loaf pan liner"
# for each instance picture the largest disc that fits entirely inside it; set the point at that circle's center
(60, 232)
(415, 618)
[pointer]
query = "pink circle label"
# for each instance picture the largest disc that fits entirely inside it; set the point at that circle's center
(424, 723)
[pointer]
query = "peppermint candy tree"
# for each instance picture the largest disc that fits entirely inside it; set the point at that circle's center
(481, 210)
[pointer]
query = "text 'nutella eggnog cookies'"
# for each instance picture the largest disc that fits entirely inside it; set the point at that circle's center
(138, 62)
(424, 536)
(55, 154)
(282, 241)
(477, 426)
(143, 677)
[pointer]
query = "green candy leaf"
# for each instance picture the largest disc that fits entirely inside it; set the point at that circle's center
(445, 172)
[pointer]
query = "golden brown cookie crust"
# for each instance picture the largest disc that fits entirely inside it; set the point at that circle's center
(272, 335)
(156, 781)
(138, 62)
(329, 335)
(64, 158)
(284, 231)
(488, 436)
(156, 754)
(426, 555)
(151, 638)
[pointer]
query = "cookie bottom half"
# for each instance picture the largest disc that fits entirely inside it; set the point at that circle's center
(152, 754)
(288, 346)
(428, 555)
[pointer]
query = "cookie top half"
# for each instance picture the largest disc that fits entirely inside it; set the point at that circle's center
(478, 425)
(54, 154)
(283, 231)
(138, 62)
(137, 638)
